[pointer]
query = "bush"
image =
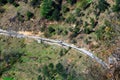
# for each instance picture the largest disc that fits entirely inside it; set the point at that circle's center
(11, 51)
(2, 10)
(20, 17)
(73, 41)
(39, 77)
(2, 2)
(103, 5)
(71, 19)
(63, 52)
(59, 68)
(35, 3)
(15, 4)
(43, 27)
(10, 1)
(116, 7)
(77, 12)
(100, 33)
(71, 1)
(59, 31)
(87, 30)
(46, 8)
(65, 9)
(50, 10)
(55, 15)
(49, 32)
(26, 1)
(51, 29)
(82, 4)
(65, 32)
(8, 78)
(29, 15)
(93, 23)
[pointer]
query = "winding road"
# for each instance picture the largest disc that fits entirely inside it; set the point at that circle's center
(39, 39)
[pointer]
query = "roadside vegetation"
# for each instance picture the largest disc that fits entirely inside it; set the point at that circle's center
(93, 24)
(39, 61)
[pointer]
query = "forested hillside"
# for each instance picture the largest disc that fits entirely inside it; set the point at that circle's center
(90, 24)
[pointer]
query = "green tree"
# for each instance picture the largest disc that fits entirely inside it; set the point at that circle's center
(116, 7)
(46, 71)
(51, 29)
(102, 5)
(50, 10)
(35, 3)
(59, 68)
(29, 15)
(15, 4)
(71, 1)
(39, 77)
(55, 15)
(46, 8)
(65, 9)
(2, 2)
(71, 19)
(10, 1)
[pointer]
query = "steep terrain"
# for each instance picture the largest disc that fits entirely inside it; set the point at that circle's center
(90, 24)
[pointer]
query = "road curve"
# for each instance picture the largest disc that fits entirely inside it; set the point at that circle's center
(90, 54)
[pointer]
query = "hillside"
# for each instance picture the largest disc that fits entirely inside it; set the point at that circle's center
(90, 24)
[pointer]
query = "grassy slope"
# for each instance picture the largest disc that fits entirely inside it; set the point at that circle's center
(103, 48)
(35, 56)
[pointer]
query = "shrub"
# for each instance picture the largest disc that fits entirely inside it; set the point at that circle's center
(11, 51)
(103, 5)
(59, 68)
(71, 19)
(35, 3)
(55, 15)
(47, 34)
(51, 29)
(42, 28)
(2, 10)
(46, 8)
(10, 1)
(65, 32)
(29, 15)
(8, 78)
(93, 23)
(77, 12)
(39, 77)
(73, 41)
(46, 71)
(50, 10)
(87, 30)
(82, 3)
(63, 52)
(20, 17)
(15, 4)
(26, 1)
(100, 33)
(51, 65)
(116, 7)
(65, 9)
(2, 2)
(59, 31)
(71, 1)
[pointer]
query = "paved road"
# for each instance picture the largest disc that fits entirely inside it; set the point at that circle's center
(39, 39)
